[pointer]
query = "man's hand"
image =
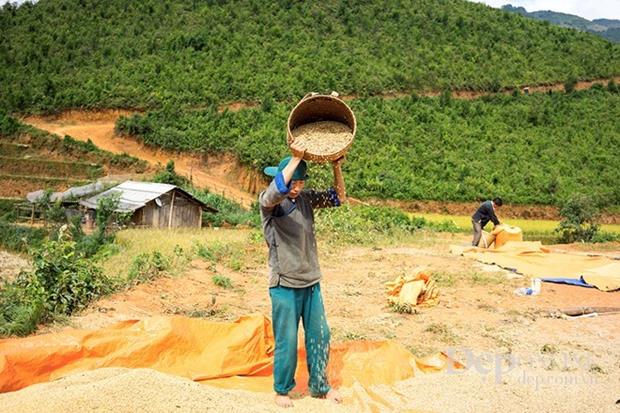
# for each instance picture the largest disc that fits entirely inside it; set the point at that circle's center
(339, 161)
(298, 150)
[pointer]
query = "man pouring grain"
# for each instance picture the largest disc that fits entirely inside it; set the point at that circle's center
(287, 216)
(484, 214)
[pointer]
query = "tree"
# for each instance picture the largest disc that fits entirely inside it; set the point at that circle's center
(169, 176)
(579, 214)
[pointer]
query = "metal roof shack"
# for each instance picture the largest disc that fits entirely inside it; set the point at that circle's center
(156, 205)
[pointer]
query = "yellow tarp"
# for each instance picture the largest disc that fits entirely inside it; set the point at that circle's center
(238, 355)
(412, 290)
(534, 260)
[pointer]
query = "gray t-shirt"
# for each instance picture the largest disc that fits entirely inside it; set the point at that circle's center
(288, 226)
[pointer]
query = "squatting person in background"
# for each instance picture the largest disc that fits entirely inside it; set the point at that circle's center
(484, 214)
(288, 225)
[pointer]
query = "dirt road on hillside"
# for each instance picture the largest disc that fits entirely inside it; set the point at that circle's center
(456, 94)
(218, 174)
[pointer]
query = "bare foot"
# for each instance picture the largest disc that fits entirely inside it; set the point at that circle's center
(283, 400)
(334, 395)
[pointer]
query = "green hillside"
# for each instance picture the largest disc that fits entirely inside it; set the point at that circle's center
(60, 53)
(606, 28)
(529, 149)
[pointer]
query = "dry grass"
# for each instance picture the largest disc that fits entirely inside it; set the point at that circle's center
(11, 265)
(178, 244)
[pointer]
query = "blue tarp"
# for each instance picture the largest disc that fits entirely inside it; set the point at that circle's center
(570, 281)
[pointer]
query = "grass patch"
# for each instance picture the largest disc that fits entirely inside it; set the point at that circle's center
(49, 168)
(403, 308)
(442, 332)
(443, 279)
(549, 349)
(196, 312)
(595, 368)
(180, 245)
(352, 335)
(146, 267)
(371, 225)
(420, 350)
(19, 238)
(7, 208)
(222, 281)
(485, 279)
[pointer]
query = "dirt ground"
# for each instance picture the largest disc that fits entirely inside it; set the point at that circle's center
(520, 357)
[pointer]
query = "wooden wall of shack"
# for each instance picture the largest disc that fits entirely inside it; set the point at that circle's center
(185, 212)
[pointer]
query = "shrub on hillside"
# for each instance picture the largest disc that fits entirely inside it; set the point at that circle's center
(64, 278)
(169, 176)
(62, 281)
(569, 85)
(229, 212)
(7, 209)
(8, 125)
(146, 267)
(579, 214)
(20, 311)
(363, 223)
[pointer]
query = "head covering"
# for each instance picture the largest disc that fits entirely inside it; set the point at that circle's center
(299, 174)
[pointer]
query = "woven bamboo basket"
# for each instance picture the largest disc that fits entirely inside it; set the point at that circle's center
(318, 108)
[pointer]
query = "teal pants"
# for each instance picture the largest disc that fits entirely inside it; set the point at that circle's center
(288, 305)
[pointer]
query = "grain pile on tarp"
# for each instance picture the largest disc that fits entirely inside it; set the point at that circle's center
(236, 355)
(127, 390)
(534, 260)
(120, 390)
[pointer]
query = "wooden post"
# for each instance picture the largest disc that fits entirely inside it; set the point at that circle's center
(32, 215)
(171, 208)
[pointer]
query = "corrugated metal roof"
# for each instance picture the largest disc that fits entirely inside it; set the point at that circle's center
(135, 195)
(75, 192)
